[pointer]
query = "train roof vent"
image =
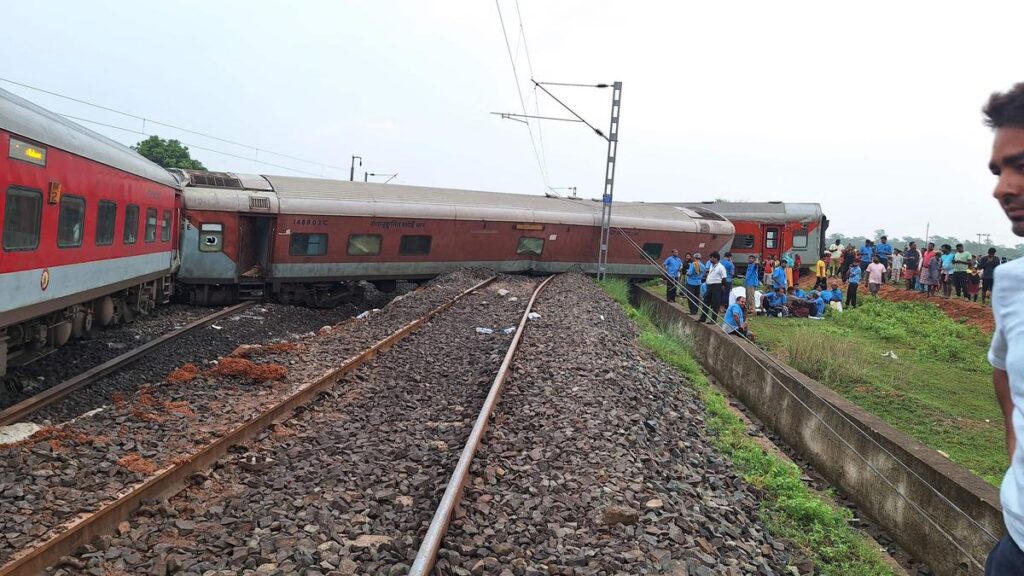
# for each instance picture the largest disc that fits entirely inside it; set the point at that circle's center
(705, 227)
(259, 203)
(707, 214)
(215, 180)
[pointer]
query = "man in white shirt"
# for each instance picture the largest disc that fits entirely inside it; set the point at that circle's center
(715, 296)
(1005, 114)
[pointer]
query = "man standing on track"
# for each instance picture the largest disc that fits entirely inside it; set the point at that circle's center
(1005, 114)
(672, 267)
(716, 290)
(961, 262)
(988, 272)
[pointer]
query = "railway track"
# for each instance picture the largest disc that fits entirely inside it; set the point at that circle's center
(168, 480)
(18, 412)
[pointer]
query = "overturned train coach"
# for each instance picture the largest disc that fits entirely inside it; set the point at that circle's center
(310, 241)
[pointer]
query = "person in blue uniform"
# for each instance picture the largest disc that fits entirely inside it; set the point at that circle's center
(752, 282)
(779, 277)
(851, 286)
(736, 319)
(776, 303)
(694, 278)
(673, 264)
(866, 252)
(730, 267)
(819, 303)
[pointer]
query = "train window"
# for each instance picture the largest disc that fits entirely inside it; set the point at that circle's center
(308, 244)
(364, 244)
(165, 227)
(530, 246)
(70, 221)
(771, 239)
(31, 153)
(23, 210)
(800, 240)
(414, 245)
(211, 238)
(743, 241)
(131, 224)
(150, 224)
(106, 215)
(653, 249)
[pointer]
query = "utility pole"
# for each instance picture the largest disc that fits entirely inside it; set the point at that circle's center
(609, 181)
(609, 172)
(352, 168)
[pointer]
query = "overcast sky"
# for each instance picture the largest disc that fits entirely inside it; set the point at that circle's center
(873, 111)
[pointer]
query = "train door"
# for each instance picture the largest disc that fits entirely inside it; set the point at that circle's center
(253, 271)
(772, 242)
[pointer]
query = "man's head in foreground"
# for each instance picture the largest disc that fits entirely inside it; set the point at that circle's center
(1004, 112)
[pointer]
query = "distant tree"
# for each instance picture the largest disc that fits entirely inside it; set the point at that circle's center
(167, 153)
(879, 233)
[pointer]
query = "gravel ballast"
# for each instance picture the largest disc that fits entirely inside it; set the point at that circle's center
(69, 470)
(598, 462)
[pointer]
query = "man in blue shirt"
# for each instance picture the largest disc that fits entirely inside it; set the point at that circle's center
(752, 282)
(694, 278)
(884, 252)
(730, 268)
(852, 283)
(672, 267)
(866, 252)
(735, 318)
(836, 295)
(779, 277)
(776, 303)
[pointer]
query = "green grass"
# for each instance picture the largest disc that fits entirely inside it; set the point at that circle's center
(789, 508)
(938, 390)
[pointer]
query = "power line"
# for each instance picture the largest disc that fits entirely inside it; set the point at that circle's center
(536, 100)
(519, 92)
(172, 126)
(196, 146)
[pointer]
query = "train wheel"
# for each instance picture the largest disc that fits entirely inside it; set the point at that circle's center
(104, 311)
(61, 333)
(78, 323)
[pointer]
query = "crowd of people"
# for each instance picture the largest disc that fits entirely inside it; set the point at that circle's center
(771, 286)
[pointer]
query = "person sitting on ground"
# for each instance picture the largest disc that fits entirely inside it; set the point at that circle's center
(797, 292)
(775, 303)
(876, 275)
(836, 295)
(736, 319)
(819, 304)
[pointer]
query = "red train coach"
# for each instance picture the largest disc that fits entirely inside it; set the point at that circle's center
(770, 229)
(306, 239)
(88, 230)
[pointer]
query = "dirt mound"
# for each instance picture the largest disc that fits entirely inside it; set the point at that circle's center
(186, 373)
(243, 368)
(135, 463)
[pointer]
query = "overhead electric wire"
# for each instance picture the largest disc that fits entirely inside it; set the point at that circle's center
(196, 146)
(536, 100)
(174, 127)
(783, 368)
(519, 92)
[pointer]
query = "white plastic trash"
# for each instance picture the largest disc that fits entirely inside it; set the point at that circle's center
(513, 299)
(533, 315)
(364, 315)
(509, 330)
(502, 292)
(484, 331)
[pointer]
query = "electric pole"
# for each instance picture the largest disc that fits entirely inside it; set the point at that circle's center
(609, 171)
(352, 168)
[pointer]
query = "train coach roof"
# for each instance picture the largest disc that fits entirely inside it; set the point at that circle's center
(761, 211)
(318, 196)
(23, 118)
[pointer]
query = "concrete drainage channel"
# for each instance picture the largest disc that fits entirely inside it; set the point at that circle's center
(932, 507)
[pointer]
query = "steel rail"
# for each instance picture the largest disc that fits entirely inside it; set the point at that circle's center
(28, 406)
(170, 479)
(427, 554)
